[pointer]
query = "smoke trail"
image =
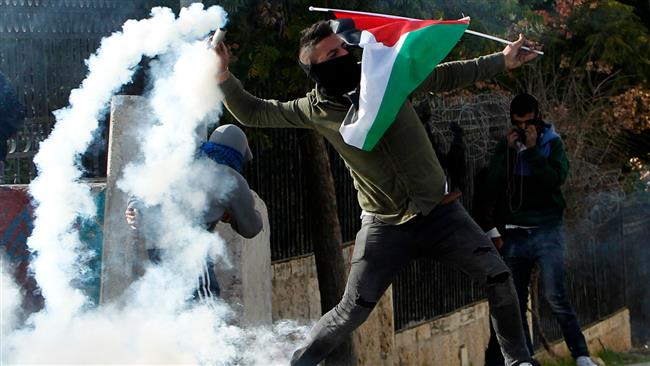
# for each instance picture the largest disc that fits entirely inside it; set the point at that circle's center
(154, 324)
(9, 303)
(61, 198)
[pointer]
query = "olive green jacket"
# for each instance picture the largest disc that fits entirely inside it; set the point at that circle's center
(401, 177)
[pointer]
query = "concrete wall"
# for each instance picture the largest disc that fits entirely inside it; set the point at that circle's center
(613, 332)
(16, 223)
(456, 339)
(296, 296)
(246, 285)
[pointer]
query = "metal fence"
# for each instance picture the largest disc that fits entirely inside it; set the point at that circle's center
(43, 45)
(275, 175)
(607, 268)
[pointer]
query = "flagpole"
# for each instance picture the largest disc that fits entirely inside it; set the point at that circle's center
(474, 33)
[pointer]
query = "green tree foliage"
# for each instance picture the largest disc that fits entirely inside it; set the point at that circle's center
(602, 33)
(265, 34)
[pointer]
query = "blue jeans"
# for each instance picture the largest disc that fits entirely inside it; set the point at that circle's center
(544, 247)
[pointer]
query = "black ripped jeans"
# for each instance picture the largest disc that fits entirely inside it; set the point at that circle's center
(447, 234)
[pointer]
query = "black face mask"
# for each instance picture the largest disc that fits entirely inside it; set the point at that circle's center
(336, 76)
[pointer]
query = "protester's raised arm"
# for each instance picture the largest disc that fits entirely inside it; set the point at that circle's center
(252, 111)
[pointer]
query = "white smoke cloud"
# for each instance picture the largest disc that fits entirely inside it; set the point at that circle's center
(154, 323)
(9, 302)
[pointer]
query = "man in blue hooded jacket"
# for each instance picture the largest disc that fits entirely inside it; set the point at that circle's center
(525, 177)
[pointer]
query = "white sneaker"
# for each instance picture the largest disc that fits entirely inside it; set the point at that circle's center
(585, 361)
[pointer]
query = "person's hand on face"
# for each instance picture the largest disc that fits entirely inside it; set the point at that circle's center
(531, 136)
(526, 124)
(512, 136)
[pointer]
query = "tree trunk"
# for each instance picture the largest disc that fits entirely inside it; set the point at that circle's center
(325, 232)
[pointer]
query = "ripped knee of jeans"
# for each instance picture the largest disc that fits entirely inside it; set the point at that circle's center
(360, 301)
(483, 249)
(498, 278)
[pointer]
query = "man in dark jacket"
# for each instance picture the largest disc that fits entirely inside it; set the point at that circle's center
(525, 177)
(11, 114)
(400, 185)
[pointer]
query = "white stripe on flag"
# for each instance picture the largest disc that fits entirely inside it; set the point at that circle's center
(376, 66)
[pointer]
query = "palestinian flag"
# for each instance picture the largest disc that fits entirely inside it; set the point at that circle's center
(398, 55)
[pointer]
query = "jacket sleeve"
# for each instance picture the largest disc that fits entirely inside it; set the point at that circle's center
(496, 180)
(550, 172)
(252, 111)
(245, 219)
(452, 75)
(497, 174)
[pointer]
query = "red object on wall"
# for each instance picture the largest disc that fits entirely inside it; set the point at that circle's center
(16, 224)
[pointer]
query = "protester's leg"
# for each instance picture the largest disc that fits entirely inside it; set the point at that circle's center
(550, 244)
(493, 355)
(380, 252)
(453, 237)
(519, 255)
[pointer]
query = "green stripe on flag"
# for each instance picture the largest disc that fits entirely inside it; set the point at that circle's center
(419, 55)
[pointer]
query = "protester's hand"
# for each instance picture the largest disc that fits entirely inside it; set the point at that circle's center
(450, 197)
(223, 56)
(515, 56)
(131, 215)
(498, 243)
(531, 136)
(512, 137)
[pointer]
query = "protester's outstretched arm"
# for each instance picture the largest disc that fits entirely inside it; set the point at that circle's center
(252, 111)
(457, 74)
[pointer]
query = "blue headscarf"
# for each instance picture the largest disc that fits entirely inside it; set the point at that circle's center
(223, 154)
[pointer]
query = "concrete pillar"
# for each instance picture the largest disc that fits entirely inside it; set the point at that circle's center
(120, 256)
(246, 286)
